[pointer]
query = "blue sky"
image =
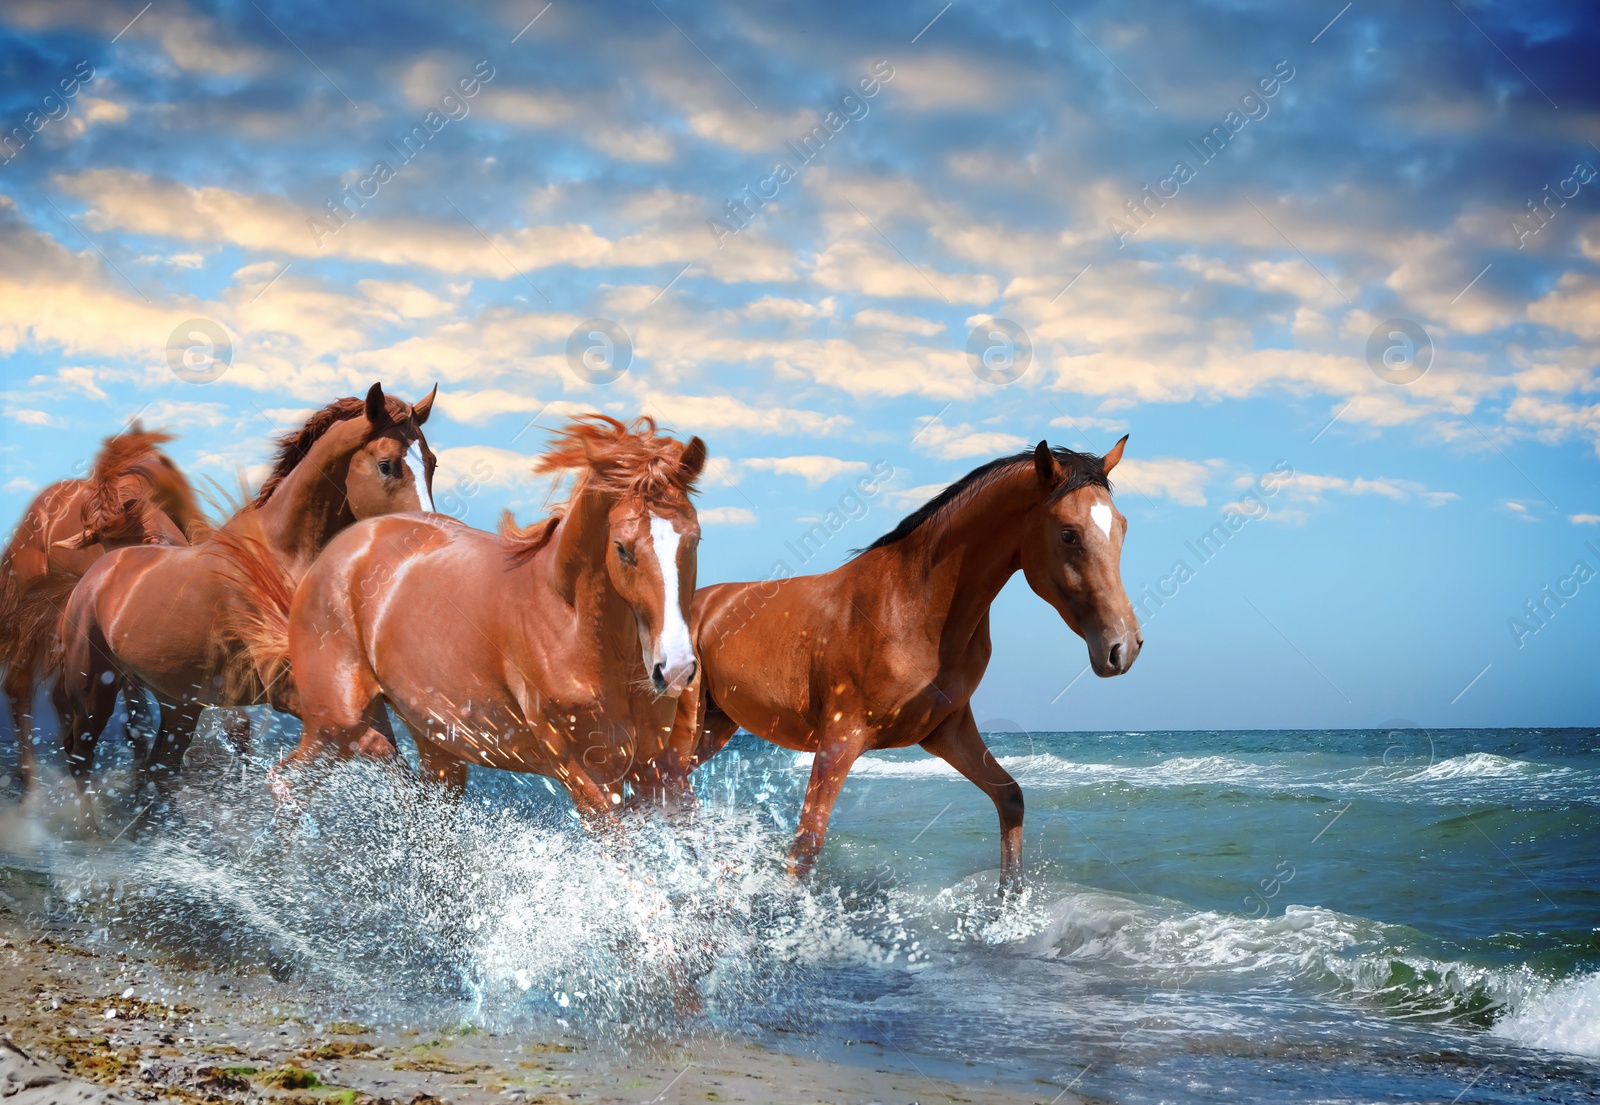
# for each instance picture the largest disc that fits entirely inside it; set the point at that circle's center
(1041, 163)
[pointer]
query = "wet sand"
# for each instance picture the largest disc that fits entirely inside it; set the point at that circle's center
(96, 1026)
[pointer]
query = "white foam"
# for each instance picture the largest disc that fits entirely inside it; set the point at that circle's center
(1481, 765)
(1044, 769)
(1565, 1018)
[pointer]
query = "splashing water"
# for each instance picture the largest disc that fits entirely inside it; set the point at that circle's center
(1129, 957)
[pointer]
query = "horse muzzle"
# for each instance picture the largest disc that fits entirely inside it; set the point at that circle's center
(1114, 654)
(670, 678)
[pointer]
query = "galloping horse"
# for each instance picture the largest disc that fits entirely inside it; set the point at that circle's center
(62, 533)
(886, 650)
(555, 649)
(168, 619)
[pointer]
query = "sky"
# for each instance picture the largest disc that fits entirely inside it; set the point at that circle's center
(1335, 270)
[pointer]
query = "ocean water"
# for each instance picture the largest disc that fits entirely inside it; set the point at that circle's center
(1267, 916)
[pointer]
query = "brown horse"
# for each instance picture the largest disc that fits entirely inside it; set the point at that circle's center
(555, 649)
(885, 651)
(134, 494)
(165, 618)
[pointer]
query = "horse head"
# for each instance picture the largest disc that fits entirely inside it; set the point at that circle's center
(375, 444)
(641, 482)
(1072, 555)
(392, 471)
(651, 558)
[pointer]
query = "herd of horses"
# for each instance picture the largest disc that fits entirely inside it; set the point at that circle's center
(577, 647)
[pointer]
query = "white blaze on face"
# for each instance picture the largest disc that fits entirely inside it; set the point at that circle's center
(1100, 515)
(419, 474)
(676, 654)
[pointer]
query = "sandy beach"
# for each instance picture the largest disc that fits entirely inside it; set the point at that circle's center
(88, 1024)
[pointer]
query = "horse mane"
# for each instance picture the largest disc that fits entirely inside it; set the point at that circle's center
(117, 490)
(1080, 469)
(294, 446)
(620, 458)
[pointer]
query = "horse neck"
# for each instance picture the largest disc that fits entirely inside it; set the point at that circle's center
(310, 505)
(604, 622)
(968, 556)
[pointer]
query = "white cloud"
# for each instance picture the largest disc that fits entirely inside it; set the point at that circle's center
(871, 268)
(1584, 519)
(699, 414)
(815, 470)
(962, 441)
(1182, 481)
(1572, 305)
(912, 497)
(122, 199)
(464, 467)
(725, 516)
(179, 414)
(901, 324)
(1310, 488)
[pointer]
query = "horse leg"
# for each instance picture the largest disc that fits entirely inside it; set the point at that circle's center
(336, 727)
(87, 713)
(238, 731)
(836, 754)
(136, 711)
(19, 689)
(716, 730)
(173, 735)
(378, 742)
(441, 766)
(957, 742)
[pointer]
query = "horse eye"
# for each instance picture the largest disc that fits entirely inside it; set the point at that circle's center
(627, 557)
(1069, 537)
(386, 467)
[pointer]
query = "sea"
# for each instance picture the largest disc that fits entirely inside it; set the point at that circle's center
(1265, 916)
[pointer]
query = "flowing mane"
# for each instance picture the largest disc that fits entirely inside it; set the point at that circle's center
(1081, 470)
(118, 488)
(296, 444)
(621, 458)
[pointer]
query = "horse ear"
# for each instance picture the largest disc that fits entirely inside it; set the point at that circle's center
(1046, 465)
(1111, 458)
(377, 407)
(693, 459)
(420, 412)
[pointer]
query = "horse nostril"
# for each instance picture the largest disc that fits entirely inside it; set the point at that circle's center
(658, 674)
(694, 666)
(1116, 655)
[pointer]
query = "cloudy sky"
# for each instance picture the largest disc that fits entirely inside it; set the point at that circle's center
(1237, 231)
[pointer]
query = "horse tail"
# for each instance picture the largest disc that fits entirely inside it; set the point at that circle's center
(260, 620)
(33, 641)
(10, 601)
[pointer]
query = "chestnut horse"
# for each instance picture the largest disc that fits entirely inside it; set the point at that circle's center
(134, 494)
(167, 619)
(886, 650)
(555, 649)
